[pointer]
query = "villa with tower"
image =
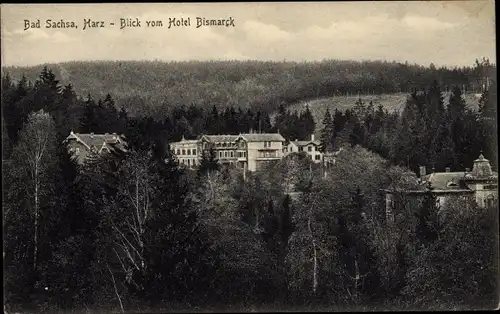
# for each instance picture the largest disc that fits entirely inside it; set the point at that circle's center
(481, 184)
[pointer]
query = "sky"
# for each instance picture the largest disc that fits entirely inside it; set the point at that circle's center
(446, 33)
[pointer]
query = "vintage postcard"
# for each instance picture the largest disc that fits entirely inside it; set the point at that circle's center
(249, 157)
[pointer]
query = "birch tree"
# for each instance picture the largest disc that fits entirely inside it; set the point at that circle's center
(132, 212)
(35, 151)
(312, 245)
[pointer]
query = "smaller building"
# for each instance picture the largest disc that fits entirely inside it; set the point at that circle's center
(188, 152)
(81, 144)
(310, 147)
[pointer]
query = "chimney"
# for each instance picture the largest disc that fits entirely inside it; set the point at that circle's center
(447, 169)
(422, 171)
(467, 170)
(106, 133)
(312, 137)
(92, 135)
(114, 133)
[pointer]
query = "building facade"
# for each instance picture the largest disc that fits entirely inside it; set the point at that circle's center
(481, 184)
(82, 144)
(311, 148)
(250, 151)
(187, 152)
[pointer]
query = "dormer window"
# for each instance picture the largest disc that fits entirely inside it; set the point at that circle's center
(451, 184)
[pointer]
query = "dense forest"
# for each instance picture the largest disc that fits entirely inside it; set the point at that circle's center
(137, 232)
(152, 88)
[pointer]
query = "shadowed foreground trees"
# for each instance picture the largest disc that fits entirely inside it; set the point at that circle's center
(138, 233)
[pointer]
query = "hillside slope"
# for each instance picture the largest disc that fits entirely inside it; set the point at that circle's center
(390, 102)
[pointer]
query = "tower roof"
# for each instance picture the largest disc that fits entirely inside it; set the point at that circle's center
(481, 168)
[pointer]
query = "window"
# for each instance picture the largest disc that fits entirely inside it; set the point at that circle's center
(225, 154)
(188, 161)
(189, 152)
(286, 149)
(194, 151)
(220, 154)
(301, 149)
(309, 148)
(183, 152)
(178, 152)
(232, 154)
(318, 157)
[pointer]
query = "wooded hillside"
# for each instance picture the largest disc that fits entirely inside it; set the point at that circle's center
(152, 88)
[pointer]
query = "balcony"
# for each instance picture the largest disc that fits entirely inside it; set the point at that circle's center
(268, 155)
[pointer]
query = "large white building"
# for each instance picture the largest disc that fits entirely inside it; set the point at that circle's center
(250, 151)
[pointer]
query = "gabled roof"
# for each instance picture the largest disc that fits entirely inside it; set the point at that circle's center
(305, 143)
(98, 140)
(263, 137)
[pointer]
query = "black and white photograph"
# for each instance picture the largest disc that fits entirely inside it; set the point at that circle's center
(249, 157)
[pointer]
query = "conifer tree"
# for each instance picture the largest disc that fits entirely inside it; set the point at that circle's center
(208, 162)
(327, 133)
(88, 121)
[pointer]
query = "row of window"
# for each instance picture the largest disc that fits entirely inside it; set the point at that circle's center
(267, 144)
(230, 154)
(189, 152)
(241, 144)
(301, 149)
(188, 162)
(268, 154)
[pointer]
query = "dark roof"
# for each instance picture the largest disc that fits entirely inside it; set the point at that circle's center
(221, 138)
(249, 137)
(91, 139)
(445, 180)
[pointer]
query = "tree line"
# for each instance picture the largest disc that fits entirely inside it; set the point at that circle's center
(427, 133)
(137, 232)
(153, 88)
(89, 115)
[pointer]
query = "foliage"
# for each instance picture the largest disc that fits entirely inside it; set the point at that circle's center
(136, 232)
